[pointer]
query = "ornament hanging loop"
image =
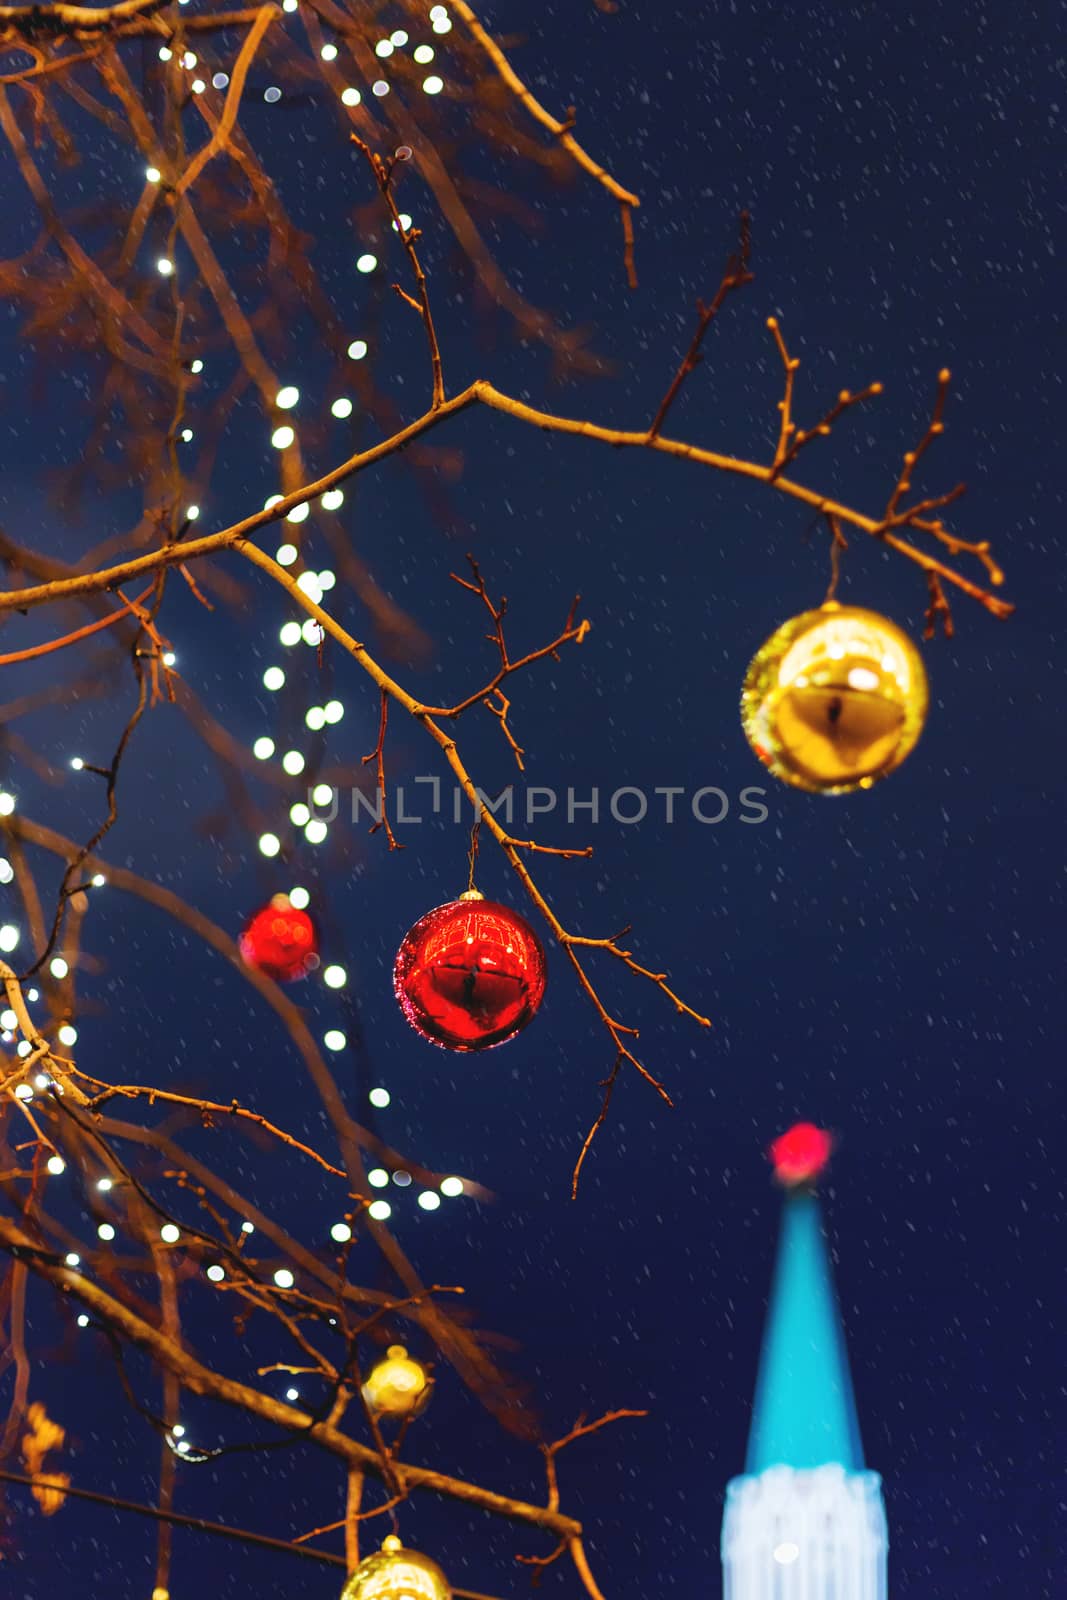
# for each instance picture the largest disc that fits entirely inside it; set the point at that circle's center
(472, 861)
(838, 544)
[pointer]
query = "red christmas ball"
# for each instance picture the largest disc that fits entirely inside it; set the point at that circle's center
(280, 941)
(800, 1155)
(470, 974)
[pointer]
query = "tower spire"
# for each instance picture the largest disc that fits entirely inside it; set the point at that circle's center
(805, 1413)
(806, 1520)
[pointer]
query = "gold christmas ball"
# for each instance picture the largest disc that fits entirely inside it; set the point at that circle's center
(397, 1386)
(397, 1574)
(835, 699)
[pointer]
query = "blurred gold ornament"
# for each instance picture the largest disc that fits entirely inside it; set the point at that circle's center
(397, 1386)
(835, 699)
(41, 1436)
(397, 1574)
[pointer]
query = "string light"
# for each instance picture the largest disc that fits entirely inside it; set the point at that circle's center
(366, 263)
(335, 977)
(269, 844)
(316, 831)
(327, 579)
(357, 349)
(220, 80)
(153, 174)
(332, 499)
(404, 223)
(105, 1185)
(333, 711)
(293, 763)
(188, 59)
(56, 1165)
(58, 967)
(248, 1227)
(329, 52)
(106, 1232)
(274, 94)
(187, 434)
(312, 633)
(451, 1187)
(273, 678)
(384, 48)
(285, 554)
(377, 1177)
(98, 880)
(341, 1232)
(9, 937)
(198, 86)
(292, 1394)
(282, 438)
(442, 25)
(192, 512)
(308, 582)
(284, 1278)
(196, 367)
(351, 97)
(289, 633)
(433, 84)
(402, 1180)
(67, 1034)
(165, 54)
(72, 1259)
(398, 39)
(315, 718)
(342, 408)
(380, 1210)
(299, 814)
(321, 795)
(379, 1098)
(83, 1320)
(298, 513)
(299, 899)
(8, 1019)
(423, 54)
(263, 749)
(216, 1273)
(164, 266)
(429, 1201)
(287, 397)
(7, 871)
(169, 1233)
(7, 804)
(380, 88)
(334, 1040)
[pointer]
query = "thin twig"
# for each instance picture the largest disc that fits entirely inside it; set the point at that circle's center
(735, 276)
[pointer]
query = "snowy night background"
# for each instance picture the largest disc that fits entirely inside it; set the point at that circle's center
(888, 964)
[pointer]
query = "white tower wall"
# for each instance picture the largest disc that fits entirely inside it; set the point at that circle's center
(814, 1533)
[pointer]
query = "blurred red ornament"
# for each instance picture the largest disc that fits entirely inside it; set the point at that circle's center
(800, 1155)
(280, 941)
(470, 974)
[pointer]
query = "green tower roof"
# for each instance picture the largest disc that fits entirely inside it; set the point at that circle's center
(805, 1414)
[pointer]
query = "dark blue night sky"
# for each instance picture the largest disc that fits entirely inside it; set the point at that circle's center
(888, 964)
